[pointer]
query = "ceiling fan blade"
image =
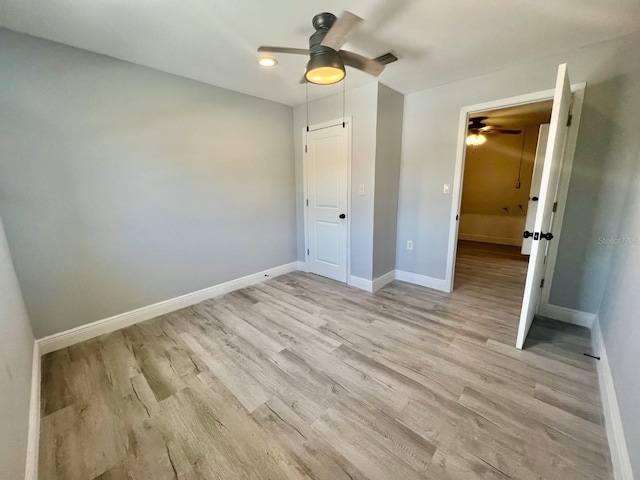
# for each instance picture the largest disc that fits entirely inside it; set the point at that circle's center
(295, 51)
(340, 30)
(510, 132)
(361, 63)
(386, 59)
(493, 129)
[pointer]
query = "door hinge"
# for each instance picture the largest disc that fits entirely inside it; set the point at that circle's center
(307, 251)
(307, 202)
(305, 149)
(542, 283)
(555, 207)
(569, 120)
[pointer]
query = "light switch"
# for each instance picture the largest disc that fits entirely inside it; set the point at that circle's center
(446, 189)
(361, 189)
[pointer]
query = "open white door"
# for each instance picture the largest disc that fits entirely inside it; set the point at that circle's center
(327, 189)
(544, 213)
(534, 192)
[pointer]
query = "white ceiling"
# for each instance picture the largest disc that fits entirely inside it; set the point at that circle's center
(215, 41)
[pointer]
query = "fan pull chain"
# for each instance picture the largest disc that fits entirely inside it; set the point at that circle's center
(344, 82)
(306, 85)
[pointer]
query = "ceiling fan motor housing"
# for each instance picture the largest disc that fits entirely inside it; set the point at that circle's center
(319, 54)
(324, 20)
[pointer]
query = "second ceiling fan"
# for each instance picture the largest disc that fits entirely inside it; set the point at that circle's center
(327, 60)
(477, 126)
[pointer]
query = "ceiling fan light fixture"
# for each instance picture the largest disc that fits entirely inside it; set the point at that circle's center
(325, 68)
(475, 139)
(267, 62)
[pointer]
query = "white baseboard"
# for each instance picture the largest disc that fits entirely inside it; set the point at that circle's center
(612, 420)
(304, 266)
(567, 315)
(382, 280)
(423, 280)
(361, 283)
(111, 324)
(33, 439)
(472, 237)
(372, 286)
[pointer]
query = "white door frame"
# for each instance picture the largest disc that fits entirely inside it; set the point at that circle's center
(563, 187)
(305, 173)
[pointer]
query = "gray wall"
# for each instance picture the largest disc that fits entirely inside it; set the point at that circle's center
(387, 179)
(361, 104)
(122, 186)
(579, 279)
(430, 139)
(609, 272)
(16, 354)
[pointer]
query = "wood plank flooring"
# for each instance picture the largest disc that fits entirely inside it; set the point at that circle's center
(305, 378)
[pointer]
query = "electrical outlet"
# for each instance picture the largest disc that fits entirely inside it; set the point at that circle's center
(409, 244)
(446, 189)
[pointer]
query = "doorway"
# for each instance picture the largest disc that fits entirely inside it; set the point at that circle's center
(499, 195)
(327, 163)
(555, 175)
(500, 188)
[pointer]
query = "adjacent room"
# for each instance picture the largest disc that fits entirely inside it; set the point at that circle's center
(312, 240)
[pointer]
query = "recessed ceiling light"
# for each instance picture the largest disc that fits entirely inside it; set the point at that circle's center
(267, 62)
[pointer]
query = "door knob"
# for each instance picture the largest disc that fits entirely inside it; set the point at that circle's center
(342, 215)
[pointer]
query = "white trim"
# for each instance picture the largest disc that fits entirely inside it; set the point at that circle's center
(613, 422)
(33, 439)
(383, 280)
(472, 237)
(372, 286)
(304, 266)
(348, 121)
(111, 324)
(361, 283)
(568, 315)
(456, 196)
(423, 280)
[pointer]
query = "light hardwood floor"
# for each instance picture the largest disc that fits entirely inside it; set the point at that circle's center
(305, 378)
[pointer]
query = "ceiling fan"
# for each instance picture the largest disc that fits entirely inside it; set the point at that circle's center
(477, 126)
(326, 59)
(478, 129)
